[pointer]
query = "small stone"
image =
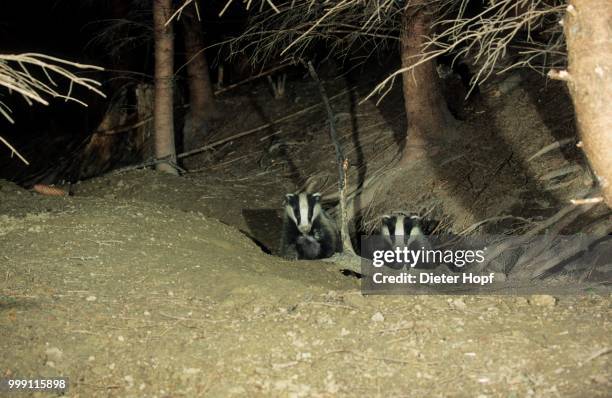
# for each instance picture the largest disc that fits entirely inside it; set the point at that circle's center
(521, 301)
(458, 304)
(543, 300)
(54, 353)
(601, 379)
(129, 380)
(355, 300)
(91, 298)
(237, 390)
(378, 317)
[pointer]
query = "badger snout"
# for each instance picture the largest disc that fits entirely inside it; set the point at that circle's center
(305, 229)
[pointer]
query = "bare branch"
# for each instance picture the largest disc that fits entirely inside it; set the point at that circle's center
(16, 76)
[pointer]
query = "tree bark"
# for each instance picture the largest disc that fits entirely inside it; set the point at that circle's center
(588, 32)
(202, 107)
(163, 117)
(145, 99)
(426, 110)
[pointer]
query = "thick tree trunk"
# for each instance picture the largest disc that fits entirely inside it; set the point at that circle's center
(588, 31)
(426, 110)
(201, 98)
(429, 119)
(163, 117)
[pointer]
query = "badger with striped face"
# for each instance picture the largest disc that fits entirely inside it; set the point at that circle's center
(308, 232)
(400, 230)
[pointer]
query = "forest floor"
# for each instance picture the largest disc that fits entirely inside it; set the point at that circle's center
(130, 288)
(148, 285)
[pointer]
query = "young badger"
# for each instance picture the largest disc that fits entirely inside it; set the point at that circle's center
(400, 230)
(308, 232)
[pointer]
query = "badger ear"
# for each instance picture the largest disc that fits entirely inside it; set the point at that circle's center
(288, 197)
(317, 196)
(386, 217)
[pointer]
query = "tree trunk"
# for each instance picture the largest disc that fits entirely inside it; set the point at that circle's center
(163, 117)
(426, 110)
(201, 98)
(145, 99)
(588, 31)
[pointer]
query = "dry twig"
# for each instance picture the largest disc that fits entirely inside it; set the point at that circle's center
(20, 73)
(342, 166)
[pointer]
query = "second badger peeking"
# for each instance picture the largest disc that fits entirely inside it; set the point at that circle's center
(401, 230)
(308, 232)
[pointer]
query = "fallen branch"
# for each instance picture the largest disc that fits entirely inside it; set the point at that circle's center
(123, 129)
(251, 78)
(561, 172)
(561, 219)
(126, 128)
(587, 201)
(548, 148)
(550, 258)
(474, 226)
(207, 147)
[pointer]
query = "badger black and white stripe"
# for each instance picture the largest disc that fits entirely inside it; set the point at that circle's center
(308, 232)
(400, 230)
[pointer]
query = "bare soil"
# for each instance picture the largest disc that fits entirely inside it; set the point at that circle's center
(148, 285)
(130, 288)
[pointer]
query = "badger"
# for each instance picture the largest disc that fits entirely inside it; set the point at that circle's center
(403, 231)
(308, 232)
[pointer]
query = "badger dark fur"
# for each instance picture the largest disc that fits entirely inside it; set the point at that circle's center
(308, 232)
(401, 230)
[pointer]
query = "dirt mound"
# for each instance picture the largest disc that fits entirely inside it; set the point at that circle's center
(144, 284)
(132, 291)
